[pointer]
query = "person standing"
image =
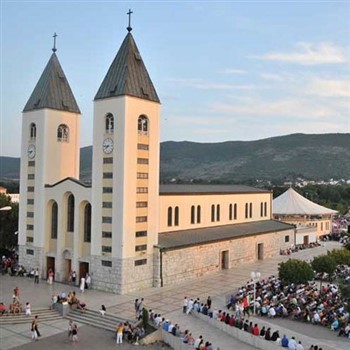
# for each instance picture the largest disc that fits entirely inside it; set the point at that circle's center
(74, 277)
(184, 305)
(36, 276)
(51, 275)
(120, 329)
(209, 302)
(82, 284)
(74, 334)
(28, 310)
(87, 281)
(35, 326)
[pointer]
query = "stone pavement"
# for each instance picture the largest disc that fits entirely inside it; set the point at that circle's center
(166, 300)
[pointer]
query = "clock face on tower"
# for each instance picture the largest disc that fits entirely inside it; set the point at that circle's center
(107, 146)
(31, 151)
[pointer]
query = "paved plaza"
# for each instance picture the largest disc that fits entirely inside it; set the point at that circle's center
(166, 300)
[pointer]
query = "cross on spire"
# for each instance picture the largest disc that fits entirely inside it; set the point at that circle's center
(54, 43)
(129, 26)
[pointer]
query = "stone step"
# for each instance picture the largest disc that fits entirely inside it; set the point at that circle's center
(43, 315)
(95, 319)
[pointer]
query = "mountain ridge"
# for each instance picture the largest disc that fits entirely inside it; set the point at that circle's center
(311, 156)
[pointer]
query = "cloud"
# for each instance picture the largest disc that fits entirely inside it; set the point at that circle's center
(330, 88)
(233, 71)
(272, 77)
(204, 85)
(308, 54)
(292, 107)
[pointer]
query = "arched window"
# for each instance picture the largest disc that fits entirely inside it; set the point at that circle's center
(265, 208)
(70, 213)
(218, 212)
(250, 210)
(32, 131)
(235, 211)
(54, 220)
(109, 123)
(63, 133)
(230, 212)
(142, 125)
(193, 219)
(213, 213)
(87, 223)
(176, 216)
(246, 210)
(198, 214)
(170, 216)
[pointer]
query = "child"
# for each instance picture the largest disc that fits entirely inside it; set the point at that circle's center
(27, 309)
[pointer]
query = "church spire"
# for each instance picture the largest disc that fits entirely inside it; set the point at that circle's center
(52, 90)
(127, 74)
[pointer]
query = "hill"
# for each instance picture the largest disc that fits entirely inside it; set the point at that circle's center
(317, 157)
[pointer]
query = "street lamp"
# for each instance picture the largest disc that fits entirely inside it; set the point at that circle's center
(6, 208)
(255, 276)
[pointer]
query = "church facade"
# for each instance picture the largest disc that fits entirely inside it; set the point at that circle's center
(125, 229)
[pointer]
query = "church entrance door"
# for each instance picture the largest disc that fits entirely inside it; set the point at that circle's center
(224, 260)
(50, 265)
(261, 251)
(83, 269)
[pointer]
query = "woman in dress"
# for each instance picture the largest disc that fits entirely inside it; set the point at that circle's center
(82, 284)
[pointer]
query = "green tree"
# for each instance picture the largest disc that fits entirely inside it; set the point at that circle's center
(324, 264)
(347, 246)
(8, 223)
(341, 256)
(295, 271)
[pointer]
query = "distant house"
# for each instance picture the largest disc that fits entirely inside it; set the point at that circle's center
(14, 196)
(310, 219)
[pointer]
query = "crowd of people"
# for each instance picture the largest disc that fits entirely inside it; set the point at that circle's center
(299, 302)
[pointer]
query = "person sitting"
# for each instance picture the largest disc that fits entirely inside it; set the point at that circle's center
(103, 310)
(81, 306)
(3, 309)
(284, 341)
(275, 336)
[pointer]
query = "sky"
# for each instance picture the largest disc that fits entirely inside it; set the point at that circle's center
(224, 70)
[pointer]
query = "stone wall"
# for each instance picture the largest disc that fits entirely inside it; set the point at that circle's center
(35, 260)
(187, 263)
(123, 276)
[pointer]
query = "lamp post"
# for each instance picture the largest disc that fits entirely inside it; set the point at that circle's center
(255, 276)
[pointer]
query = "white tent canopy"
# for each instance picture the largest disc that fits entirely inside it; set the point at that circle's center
(292, 203)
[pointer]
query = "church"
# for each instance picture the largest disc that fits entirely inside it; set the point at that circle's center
(125, 229)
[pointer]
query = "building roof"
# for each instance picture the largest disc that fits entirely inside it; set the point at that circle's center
(52, 90)
(186, 238)
(293, 203)
(127, 75)
(78, 182)
(175, 189)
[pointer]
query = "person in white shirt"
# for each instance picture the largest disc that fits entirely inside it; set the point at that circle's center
(299, 346)
(184, 305)
(28, 310)
(189, 306)
(292, 344)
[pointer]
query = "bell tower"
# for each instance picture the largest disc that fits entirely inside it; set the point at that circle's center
(49, 153)
(125, 184)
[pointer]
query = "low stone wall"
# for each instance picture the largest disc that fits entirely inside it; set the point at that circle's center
(254, 340)
(152, 337)
(175, 342)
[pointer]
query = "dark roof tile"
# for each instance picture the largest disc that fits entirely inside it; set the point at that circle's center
(127, 75)
(52, 90)
(187, 238)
